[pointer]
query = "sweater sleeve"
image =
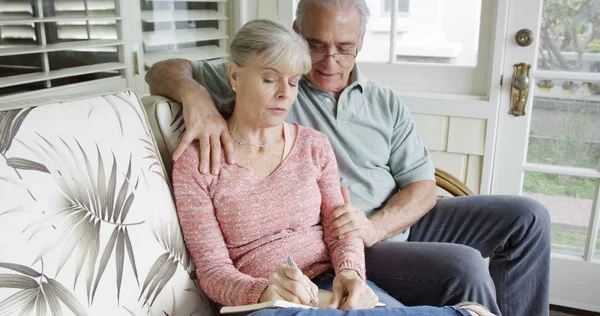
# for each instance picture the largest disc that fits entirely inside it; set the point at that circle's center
(219, 278)
(347, 253)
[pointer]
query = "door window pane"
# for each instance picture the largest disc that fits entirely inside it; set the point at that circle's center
(402, 6)
(569, 201)
(597, 249)
(568, 37)
(565, 124)
(430, 31)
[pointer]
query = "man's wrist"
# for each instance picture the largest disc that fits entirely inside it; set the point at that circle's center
(377, 233)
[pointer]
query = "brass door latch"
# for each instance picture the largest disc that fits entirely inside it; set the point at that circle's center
(520, 89)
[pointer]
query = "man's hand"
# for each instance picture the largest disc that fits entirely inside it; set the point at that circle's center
(205, 123)
(173, 78)
(350, 221)
(351, 292)
(289, 284)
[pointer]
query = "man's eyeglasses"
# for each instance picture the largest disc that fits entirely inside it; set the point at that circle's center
(339, 57)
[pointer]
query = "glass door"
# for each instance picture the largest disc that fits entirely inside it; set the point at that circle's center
(552, 154)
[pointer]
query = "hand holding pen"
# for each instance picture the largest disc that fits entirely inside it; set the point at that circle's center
(288, 283)
(313, 300)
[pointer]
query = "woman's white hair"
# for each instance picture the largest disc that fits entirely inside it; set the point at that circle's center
(274, 44)
(360, 5)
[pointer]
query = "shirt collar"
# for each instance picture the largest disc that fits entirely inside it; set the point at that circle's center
(356, 78)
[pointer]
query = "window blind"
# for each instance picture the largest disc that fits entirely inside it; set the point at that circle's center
(193, 29)
(52, 43)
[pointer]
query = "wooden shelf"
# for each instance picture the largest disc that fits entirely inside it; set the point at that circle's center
(182, 36)
(77, 45)
(56, 74)
(181, 15)
(195, 53)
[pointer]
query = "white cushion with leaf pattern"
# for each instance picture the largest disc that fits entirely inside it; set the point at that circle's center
(166, 120)
(87, 219)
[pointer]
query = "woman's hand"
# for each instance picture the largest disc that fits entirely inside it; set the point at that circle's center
(350, 291)
(289, 284)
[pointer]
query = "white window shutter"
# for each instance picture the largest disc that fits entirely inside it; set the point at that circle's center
(56, 43)
(193, 30)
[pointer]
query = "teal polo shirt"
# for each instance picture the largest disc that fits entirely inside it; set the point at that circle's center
(370, 129)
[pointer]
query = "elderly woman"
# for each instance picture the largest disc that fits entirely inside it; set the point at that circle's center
(277, 201)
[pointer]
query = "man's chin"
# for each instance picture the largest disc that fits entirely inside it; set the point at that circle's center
(326, 85)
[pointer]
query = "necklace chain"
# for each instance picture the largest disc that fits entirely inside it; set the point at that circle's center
(253, 145)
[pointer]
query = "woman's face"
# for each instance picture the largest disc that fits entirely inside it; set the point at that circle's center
(263, 95)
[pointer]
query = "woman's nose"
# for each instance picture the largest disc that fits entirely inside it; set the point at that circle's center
(283, 91)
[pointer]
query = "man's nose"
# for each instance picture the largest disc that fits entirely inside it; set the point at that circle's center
(329, 60)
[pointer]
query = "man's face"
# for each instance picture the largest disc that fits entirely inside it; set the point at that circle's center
(331, 32)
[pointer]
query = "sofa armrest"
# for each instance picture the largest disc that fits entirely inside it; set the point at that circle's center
(165, 118)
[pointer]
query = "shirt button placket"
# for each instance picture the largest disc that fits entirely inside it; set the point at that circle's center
(343, 111)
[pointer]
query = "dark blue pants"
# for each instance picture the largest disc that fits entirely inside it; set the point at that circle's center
(442, 263)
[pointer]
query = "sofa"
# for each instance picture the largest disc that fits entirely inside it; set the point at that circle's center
(87, 217)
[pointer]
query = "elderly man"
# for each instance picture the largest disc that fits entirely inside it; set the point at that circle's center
(421, 250)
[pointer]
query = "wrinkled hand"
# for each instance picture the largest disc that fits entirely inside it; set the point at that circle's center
(351, 292)
(289, 284)
(204, 122)
(350, 221)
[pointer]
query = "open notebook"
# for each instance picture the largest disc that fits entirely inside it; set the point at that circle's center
(324, 298)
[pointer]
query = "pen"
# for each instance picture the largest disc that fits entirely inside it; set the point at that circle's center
(291, 262)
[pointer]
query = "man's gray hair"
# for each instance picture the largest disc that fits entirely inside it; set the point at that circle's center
(360, 5)
(274, 44)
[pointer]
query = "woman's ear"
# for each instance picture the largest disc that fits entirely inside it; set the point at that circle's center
(233, 70)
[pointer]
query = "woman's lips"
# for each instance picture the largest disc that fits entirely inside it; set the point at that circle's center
(277, 110)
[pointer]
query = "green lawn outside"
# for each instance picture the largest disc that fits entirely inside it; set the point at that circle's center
(567, 238)
(552, 184)
(563, 153)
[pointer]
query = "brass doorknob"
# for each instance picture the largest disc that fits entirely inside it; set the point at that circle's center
(519, 89)
(521, 82)
(524, 37)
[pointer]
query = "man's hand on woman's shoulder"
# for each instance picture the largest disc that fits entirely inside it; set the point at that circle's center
(204, 123)
(173, 79)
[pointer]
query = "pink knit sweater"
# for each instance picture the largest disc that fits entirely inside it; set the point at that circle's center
(238, 226)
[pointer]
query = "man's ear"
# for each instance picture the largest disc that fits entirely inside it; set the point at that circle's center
(295, 26)
(361, 40)
(233, 71)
